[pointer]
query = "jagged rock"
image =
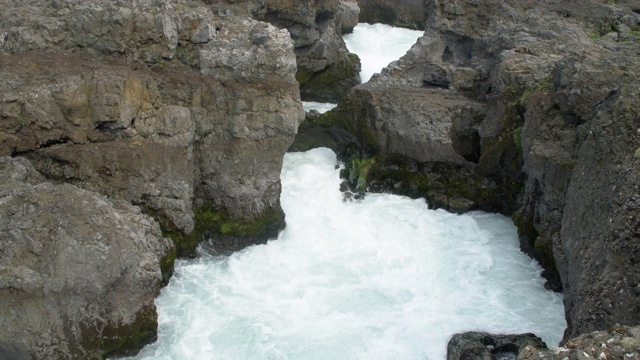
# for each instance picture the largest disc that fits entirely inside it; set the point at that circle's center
(326, 69)
(179, 110)
(78, 272)
(348, 15)
(478, 345)
(617, 342)
(553, 142)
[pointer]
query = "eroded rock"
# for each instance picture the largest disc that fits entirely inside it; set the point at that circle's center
(78, 272)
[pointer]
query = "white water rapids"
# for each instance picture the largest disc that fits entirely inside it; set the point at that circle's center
(377, 45)
(382, 278)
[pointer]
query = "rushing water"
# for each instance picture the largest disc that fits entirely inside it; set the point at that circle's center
(377, 45)
(381, 278)
(318, 106)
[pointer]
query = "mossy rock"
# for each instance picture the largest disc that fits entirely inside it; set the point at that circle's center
(332, 83)
(227, 233)
(127, 339)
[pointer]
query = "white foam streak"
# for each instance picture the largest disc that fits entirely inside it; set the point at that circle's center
(383, 278)
(377, 45)
(318, 106)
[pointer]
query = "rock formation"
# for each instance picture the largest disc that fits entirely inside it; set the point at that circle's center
(616, 342)
(483, 346)
(166, 105)
(78, 272)
(326, 70)
(180, 108)
(527, 109)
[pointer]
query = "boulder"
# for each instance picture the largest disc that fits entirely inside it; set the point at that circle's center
(484, 346)
(616, 342)
(78, 271)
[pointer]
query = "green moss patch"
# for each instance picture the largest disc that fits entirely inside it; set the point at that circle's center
(127, 339)
(332, 83)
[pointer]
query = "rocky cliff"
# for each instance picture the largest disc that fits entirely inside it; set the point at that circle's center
(78, 271)
(167, 105)
(178, 107)
(326, 70)
(525, 108)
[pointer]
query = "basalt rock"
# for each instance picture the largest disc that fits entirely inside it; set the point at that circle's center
(326, 69)
(78, 271)
(616, 342)
(167, 105)
(173, 106)
(535, 117)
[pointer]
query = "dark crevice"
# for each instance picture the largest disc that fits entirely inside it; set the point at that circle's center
(52, 142)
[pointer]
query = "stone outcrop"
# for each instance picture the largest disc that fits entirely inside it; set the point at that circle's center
(616, 342)
(165, 108)
(536, 117)
(180, 110)
(78, 272)
(402, 13)
(326, 69)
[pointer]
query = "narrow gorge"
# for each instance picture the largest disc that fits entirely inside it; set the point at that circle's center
(133, 132)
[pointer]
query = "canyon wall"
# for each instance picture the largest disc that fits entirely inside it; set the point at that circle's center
(524, 108)
(176, 109)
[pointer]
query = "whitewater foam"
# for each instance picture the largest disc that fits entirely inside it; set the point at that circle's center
(381, 278)
(377, 45)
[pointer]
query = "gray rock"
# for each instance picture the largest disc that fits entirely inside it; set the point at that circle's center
(617, 342)
(404, 13)
(114, 111)
(78, 272)
(326, 70)
(478, 345)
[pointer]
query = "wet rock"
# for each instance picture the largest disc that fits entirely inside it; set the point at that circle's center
(478, 345)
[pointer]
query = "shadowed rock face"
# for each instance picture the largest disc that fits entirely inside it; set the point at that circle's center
(78, 272)
(403, 13)
(536, 118)
(326, 70)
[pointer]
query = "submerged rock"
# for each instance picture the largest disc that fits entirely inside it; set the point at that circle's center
(78, 272)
